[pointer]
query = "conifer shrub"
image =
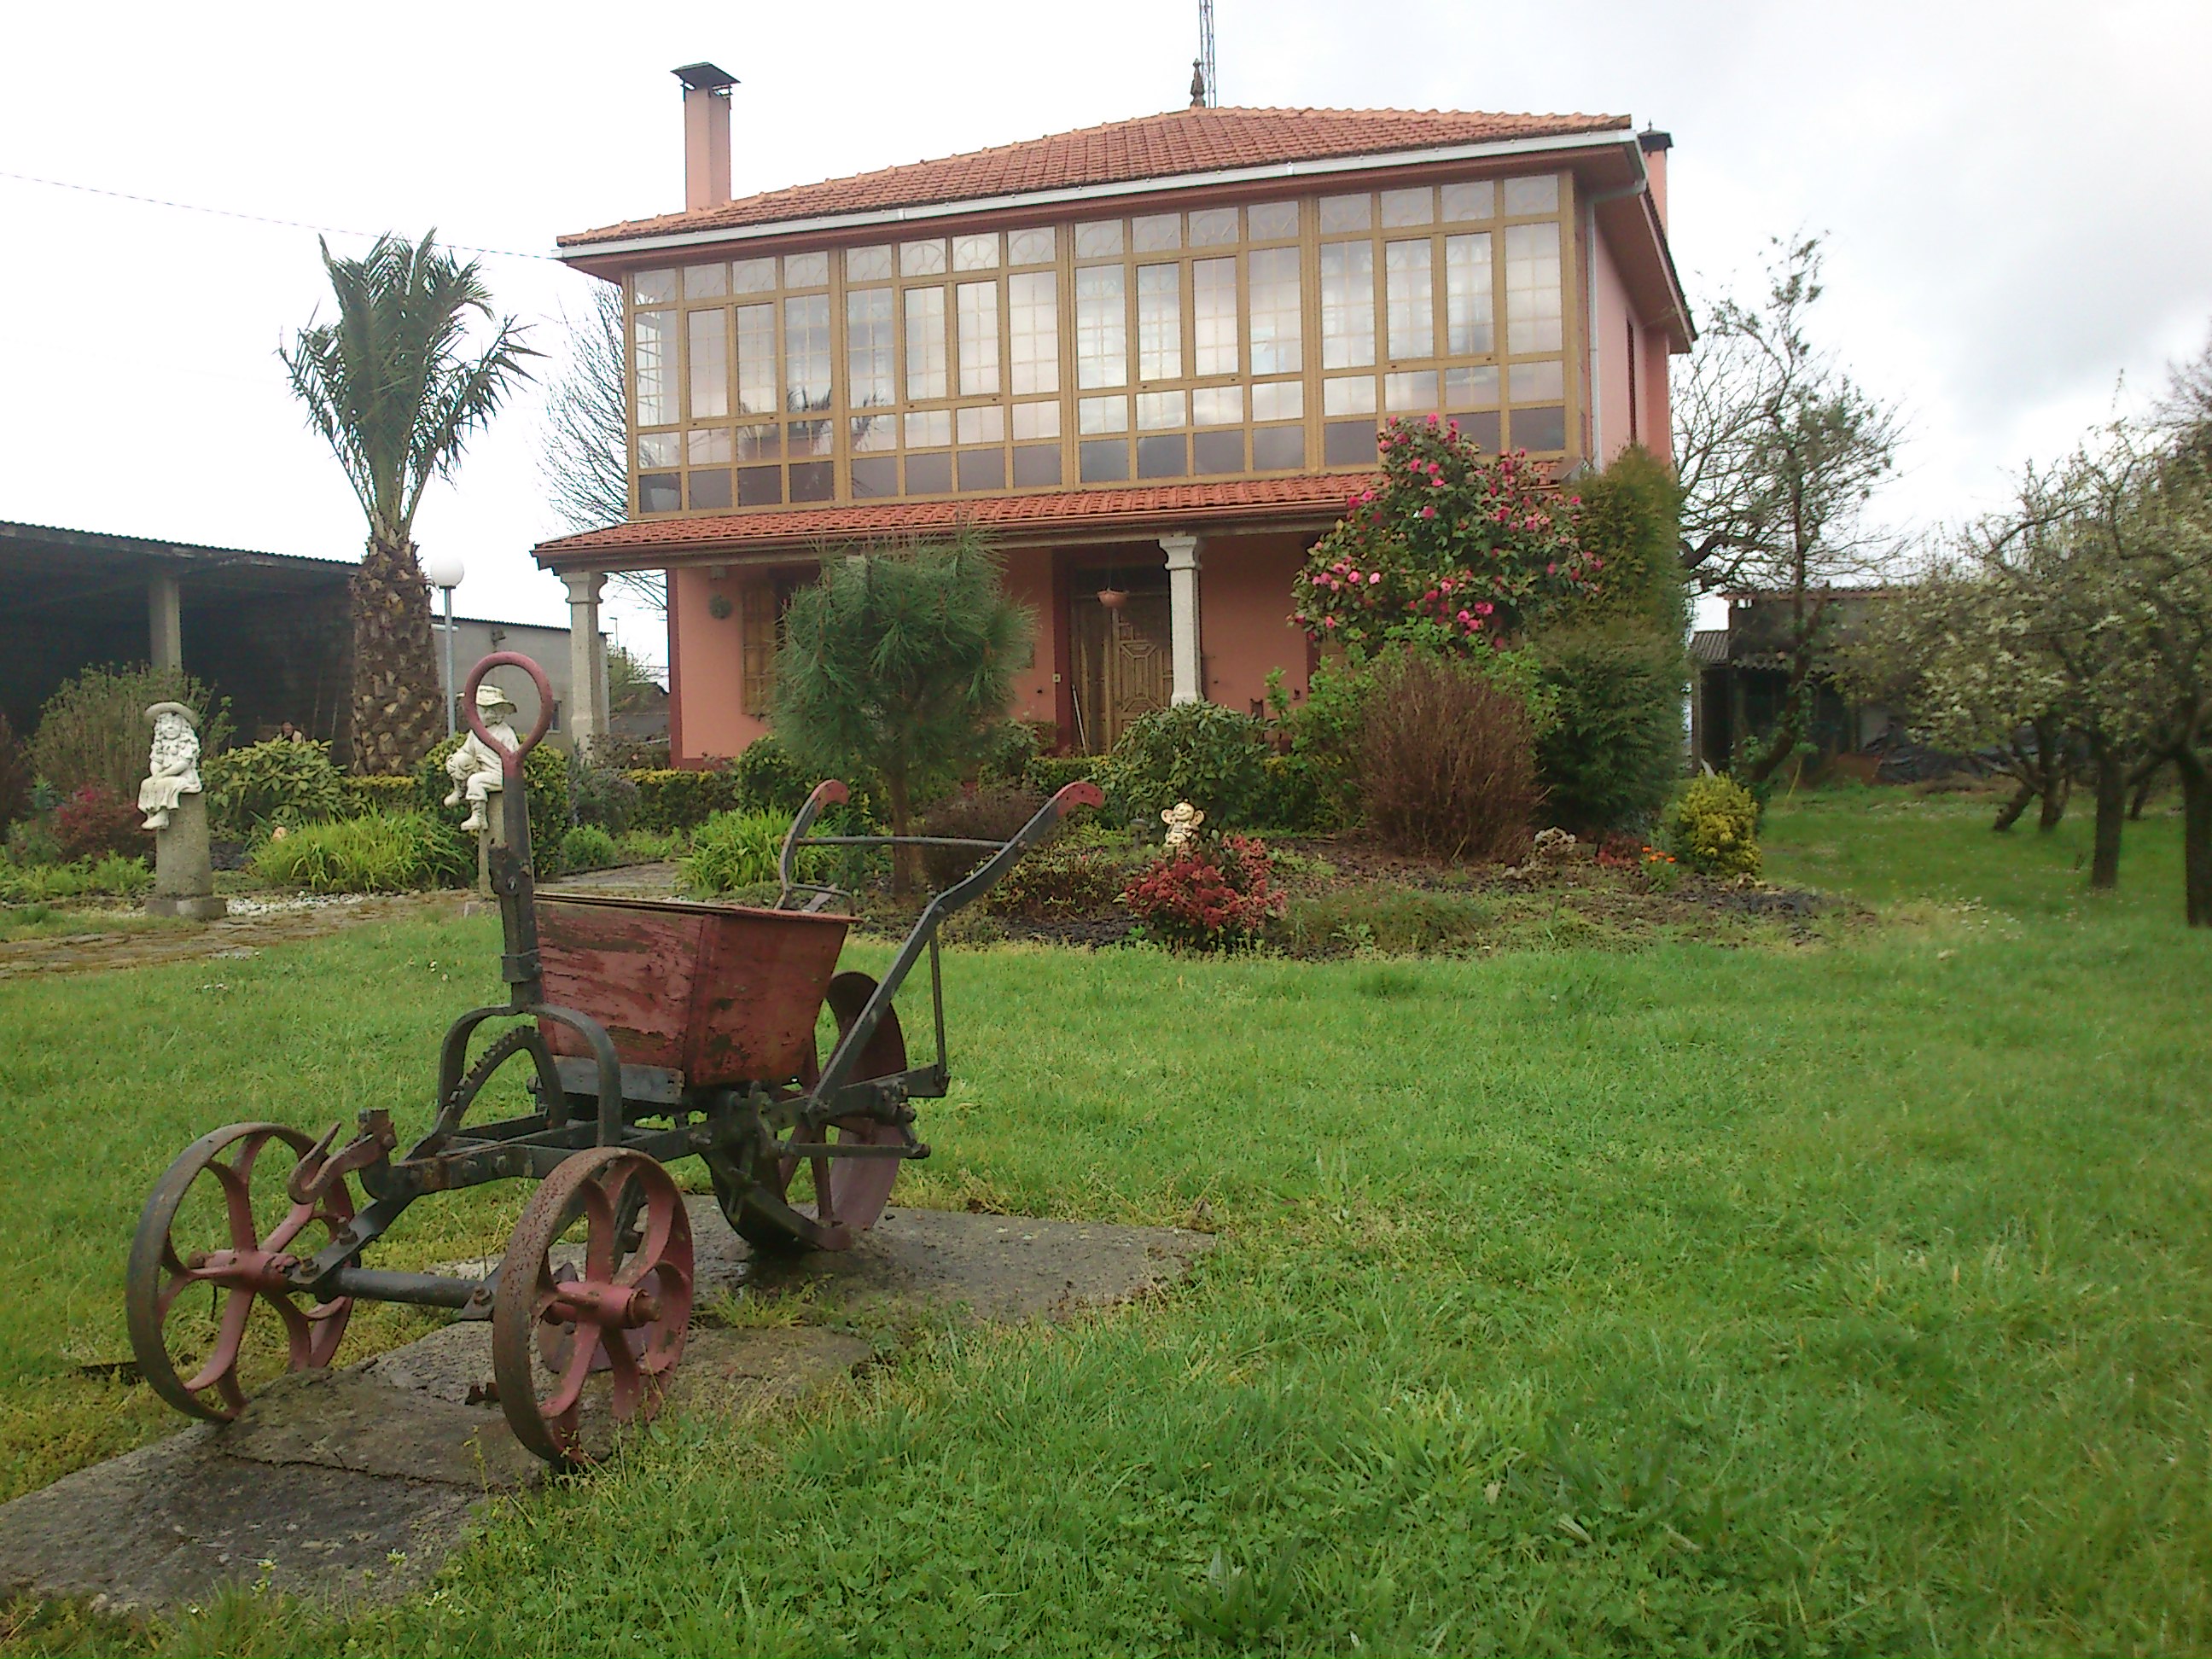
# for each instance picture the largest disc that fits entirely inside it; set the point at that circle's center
(1713, 826)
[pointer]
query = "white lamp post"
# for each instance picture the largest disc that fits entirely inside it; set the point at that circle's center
(444, 571)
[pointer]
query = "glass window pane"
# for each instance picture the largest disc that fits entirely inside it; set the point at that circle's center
(1482, 429)
(1033, 331)
(929, 475)
(921, 259)
(1536, 383)
(1213, 227)
(709, 342)
(982, 469)
(1099, 239)
(1466, 296)
(1348, 443)
(1347, 213)
(806, 352)
(1217, 452)
(1155, 409)
(979, 253)
(1102, 327)
(652, 364)
(1277, 315)
(926, 366)
(653, 288)
(1532, 287)
(1159, 322)
(1471, 388)
(756, 359)
(1538, 195)
(1354, 395)
(1103, 460)
(760, 486)
(706, 282)
(656, 449)
(1039, 246)
(1156, 232)
(657, 492)
(1218, 405)
(928, 429)
(814, 481)
(753, 277)
(808, 438)
(1413, 300)
(707, 445)
(1272, 221)
(875, 477)
(806, 270)
(879, 431)
(1407, 207)
(1213, 316)
(1275, 448)
(759, 443)
(1470, 199)
(1166, 456)
(1036, 465)
(979, 339)
(871, 346)
(1040, 420)
(1278, 400)
(1539, 428)
(1102, 414)
(1414, 393)
(1348, 304)
(709, 491)
(986, 423)
(868, 264)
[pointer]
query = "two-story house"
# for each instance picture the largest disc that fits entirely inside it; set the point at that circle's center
(1150, 359)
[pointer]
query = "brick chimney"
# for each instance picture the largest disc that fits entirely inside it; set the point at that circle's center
(1655, 144)
(706, 134)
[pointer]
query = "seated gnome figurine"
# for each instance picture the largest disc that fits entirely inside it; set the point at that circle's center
(174, 766)
(474, 768)
(1182, 820)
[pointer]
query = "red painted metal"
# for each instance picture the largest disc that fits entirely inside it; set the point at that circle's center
(723, 994)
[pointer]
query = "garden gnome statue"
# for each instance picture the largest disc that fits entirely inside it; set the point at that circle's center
(176, 811)
(474, 768)
(1182, 820)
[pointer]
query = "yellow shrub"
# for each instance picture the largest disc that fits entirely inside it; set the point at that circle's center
(1714, 826)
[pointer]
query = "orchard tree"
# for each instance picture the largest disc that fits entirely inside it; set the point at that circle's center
(586, 460)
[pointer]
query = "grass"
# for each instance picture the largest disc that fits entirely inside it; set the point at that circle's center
(1777, 1298)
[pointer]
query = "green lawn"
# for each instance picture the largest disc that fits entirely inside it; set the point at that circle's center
(1839, 1297)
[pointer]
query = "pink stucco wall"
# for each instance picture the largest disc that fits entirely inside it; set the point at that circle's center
(1029, 582)
(1611, 405)
(1244, 604)
(707, 659)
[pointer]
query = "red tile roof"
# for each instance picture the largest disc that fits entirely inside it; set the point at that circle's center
(1150, 146)
(1151, 508)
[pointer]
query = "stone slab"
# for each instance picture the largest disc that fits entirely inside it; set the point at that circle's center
(353, 1420)
(209, 907)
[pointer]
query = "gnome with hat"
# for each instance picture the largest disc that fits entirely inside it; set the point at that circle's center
(475, 769)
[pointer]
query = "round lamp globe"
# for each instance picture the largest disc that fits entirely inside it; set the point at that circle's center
(445, 569)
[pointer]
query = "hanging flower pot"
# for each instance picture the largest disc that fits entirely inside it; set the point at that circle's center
(1113, 597)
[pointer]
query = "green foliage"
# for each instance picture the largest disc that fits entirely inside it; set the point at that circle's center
(1212, 893)
(273, 783)
(545, 775)
(1448, 549)
(673, 799)
(94, 729)
(1386, 917)
(384, 853)
(112, 875)
(381, 791)
(1631, 527)
(765, 778)
(1613, 751)
(1325, 735)
(15, 776)
(1213, 757)
(984, 814)
(1048, 775)
(94, 822)
(650, 847)
(32, 841)
(1713, 826)
(1291, 798)
(1080, 872)
(1008, 753)
(603, 798)
(732, 850)
(586, 846)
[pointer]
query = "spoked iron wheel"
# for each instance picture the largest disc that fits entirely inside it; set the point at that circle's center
(857, 1189)
(220, 1219)
(597, 1278)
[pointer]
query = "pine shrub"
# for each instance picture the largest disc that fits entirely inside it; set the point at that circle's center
(1713, 826)
(1613, 751)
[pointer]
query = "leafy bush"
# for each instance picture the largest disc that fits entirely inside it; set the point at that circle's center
(1213, 757)
(586, 846)
(674, 800)
(94, 730)
(765, 779)
(1080, 872)
(1211, 894)
(109, 875)
(395, 853)
(378, 792)
(545, 779)
(1713, 826)
(978, 815)
(1386, 917)
(1324, 731)
(648, 847)
(603, 799)
(1048, 775)
(1008, 753)
(1614, 751)
(94, 821)
(274, 783)
(32, 842)
(14, 777)
(1447, 766)
(732, 850)
(1291, 798)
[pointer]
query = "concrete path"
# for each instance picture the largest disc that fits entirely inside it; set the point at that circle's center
(359, 1481)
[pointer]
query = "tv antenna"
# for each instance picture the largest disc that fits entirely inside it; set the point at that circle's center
(1205, 87)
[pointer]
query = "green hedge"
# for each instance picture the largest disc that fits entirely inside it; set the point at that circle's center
(546, 775)
(670, 800)
(385, 794)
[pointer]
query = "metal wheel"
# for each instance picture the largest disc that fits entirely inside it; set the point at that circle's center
(598, 1277)
(858, 1187)
(206, 1223)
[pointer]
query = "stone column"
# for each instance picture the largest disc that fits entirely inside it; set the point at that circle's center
(1183, 616)
(165, 623)
(587, 664)
(184, 878)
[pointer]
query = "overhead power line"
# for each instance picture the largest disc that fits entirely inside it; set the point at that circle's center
(251, 218)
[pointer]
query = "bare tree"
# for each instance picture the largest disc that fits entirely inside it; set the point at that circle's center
(586, 464)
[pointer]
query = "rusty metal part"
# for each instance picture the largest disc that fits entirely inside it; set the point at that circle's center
(625, 1311)
(318, 1171)
(238, 1264)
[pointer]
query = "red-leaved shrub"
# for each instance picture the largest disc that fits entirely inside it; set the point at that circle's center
(96, 820)
(1447, 763)
(1207, 895)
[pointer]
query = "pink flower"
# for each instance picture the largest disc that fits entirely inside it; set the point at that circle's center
(1428, 512)
(1375, 577)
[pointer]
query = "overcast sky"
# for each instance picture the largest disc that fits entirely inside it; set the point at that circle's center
(2014, 197)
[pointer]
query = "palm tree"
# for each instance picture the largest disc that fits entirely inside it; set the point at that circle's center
(389, 384)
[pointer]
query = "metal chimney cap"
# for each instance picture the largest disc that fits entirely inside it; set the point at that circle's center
(704, 78)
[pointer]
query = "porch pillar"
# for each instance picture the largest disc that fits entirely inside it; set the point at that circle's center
(587, 662)
(1183, 616)
(165, 623)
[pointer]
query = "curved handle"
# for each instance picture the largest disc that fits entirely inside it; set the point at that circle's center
(510, 760)
(1081, 793)
(828, 793)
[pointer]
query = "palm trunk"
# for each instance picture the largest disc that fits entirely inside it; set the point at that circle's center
(2196, 835)
(396, 717)
(2112, 814)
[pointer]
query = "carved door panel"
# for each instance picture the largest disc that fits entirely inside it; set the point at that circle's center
(1122, 666)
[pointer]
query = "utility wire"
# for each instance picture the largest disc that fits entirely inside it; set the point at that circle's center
(254, 218)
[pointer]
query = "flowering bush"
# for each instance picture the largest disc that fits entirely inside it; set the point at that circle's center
(95, 821)
(1209, 894)
(1714, 825)
(1449, 548)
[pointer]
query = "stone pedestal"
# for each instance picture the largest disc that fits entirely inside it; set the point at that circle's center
(184, 879)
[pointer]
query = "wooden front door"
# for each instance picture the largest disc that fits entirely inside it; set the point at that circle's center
(1123, 668)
